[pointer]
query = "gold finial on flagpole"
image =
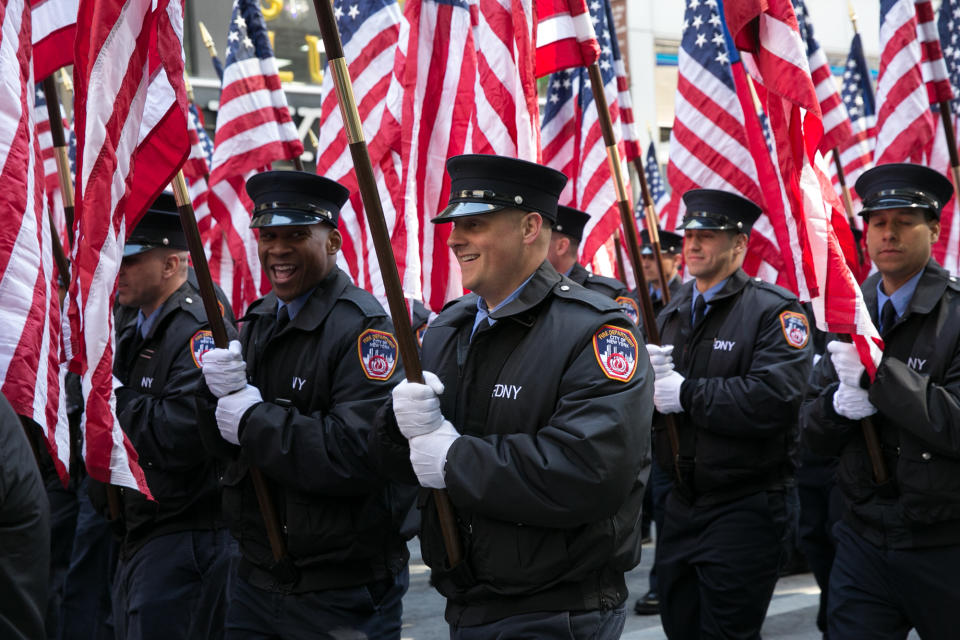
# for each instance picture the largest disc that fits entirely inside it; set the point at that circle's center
(853, 15)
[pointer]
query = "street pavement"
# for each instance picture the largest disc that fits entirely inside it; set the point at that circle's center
(792, 614)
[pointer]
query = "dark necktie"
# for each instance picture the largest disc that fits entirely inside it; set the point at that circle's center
(283, 319)
(888, 316)
(699, 309)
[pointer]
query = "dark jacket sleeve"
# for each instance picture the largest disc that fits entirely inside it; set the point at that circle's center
(323, 452)
(576, 469)
(823, 430)
(163, 429)
(389, 450)
(929, 411)
(764, 400)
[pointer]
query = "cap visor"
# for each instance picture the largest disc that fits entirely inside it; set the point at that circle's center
(286, 219)
(885, 204)
(135, 249)
(464, 209)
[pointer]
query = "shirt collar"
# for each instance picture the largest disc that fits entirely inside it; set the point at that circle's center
(295, 305)
(145, 323)
(708, 294)
(483, 313)
(901, 297)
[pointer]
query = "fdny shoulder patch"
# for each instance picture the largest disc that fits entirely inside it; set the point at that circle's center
(200, 343)
(616, 351)
(629, 306)
(795, 328)
(378, 354)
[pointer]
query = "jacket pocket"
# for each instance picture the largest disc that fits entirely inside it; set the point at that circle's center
(929, 486)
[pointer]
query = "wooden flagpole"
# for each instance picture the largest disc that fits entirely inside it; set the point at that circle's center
(406, 340)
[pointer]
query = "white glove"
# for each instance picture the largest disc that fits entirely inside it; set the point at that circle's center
(852, 402)
(224, 370)
(230, 410)
(417, 406)
(428, 455)
(844, 357)
(666, 393)
(661, 358)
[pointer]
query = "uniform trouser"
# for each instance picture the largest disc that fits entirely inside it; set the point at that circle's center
(549, 625)
(820, 506)
(85, 610)
(174, 586)
(660, 484)
(881, 593)
(63, 522)
(371, 612)
(717, 565)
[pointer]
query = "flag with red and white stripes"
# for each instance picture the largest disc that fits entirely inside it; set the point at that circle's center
(565, 36)
(54, 28)
(768, 34)
(30, 373)
(574, 145)
(369, 31)
(717, 141)
(439, 93)
(946, 251)
(254, 128)
(631, 140)
(905, 124)
(196, 171)
(836, 120)
(507, 109)
(117, 63)
(856, 154)
(932, 66)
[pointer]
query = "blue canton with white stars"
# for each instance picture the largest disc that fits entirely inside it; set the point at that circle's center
(563, 85)
(205, 142)
(248, 33)
(705, 39)
(856, 90)
(654, 181)
(948, 24)
(806, 28)
(351, 14)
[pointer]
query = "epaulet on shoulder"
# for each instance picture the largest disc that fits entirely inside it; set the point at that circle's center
(192, 303)
(585, 296)
(953, 283)
(611, 283)
(364, 301)
(786, 294)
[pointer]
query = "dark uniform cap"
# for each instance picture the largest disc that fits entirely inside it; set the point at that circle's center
(487, 183)
(287, 198)
(571, 222)
(159, 227)
(669, 242)
(718, 210)
(903, 186)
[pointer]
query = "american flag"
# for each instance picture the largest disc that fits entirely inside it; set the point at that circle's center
(947, 249)
(254, 128)
(933, 67)
(53, 32)
(716, 136)
(369, 31)
(196, 170)
(631, 140)
(836, 121)
(658, 191)
(114, 74)
(573, 144)
(439, 85)
(507, 108)
(565, 36)
(768, 33)
(30, 374)
(856, 154)
(905, 125)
